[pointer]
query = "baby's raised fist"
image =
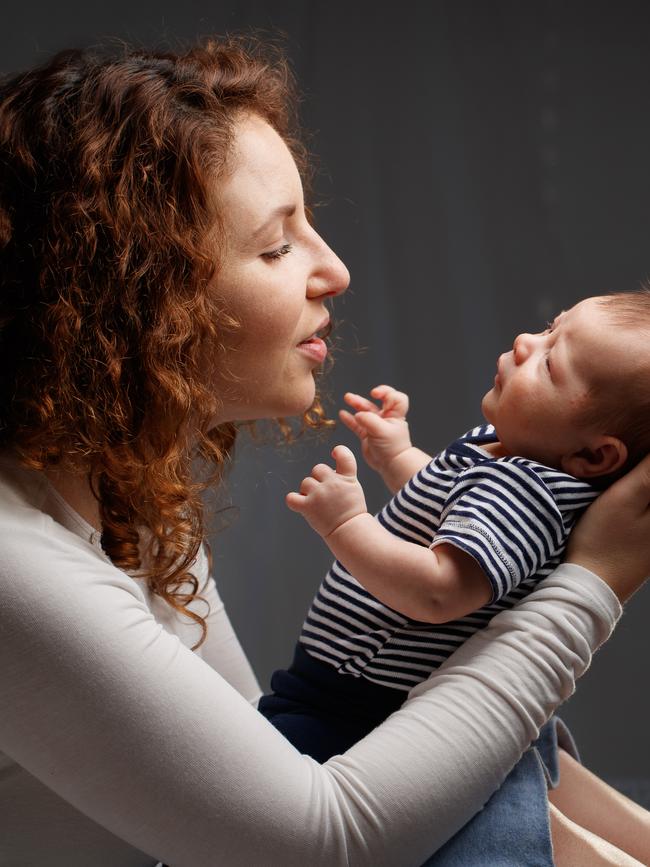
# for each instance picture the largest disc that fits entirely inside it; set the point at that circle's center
(327, 498)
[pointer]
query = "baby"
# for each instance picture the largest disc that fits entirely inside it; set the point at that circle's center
(468, 533)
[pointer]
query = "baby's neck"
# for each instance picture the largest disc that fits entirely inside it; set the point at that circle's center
(496, 450)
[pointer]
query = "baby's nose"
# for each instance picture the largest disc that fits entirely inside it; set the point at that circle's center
(522, 347)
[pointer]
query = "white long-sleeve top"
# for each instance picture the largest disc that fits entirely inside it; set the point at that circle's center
(120, 746)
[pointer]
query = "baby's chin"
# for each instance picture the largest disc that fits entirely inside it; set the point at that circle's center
(485, 406)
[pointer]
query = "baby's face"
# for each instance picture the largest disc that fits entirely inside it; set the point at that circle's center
(544, 383)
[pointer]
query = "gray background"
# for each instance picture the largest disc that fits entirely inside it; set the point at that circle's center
(482, 166)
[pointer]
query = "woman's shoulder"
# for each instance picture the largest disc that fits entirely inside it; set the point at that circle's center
(52, 563)
(41, 556)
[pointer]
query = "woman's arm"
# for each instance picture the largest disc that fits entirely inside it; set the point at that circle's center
(223, 652)
(130, 727)
(119, 719)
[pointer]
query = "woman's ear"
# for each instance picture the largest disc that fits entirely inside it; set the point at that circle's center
(604, 455)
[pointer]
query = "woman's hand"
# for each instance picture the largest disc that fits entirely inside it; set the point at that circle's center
(328, 498)
(612, 538)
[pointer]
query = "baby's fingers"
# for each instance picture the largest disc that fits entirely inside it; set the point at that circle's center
(371, 424)
(296, 502)
(308, 485)
(350, 421)
(356, 401)
(321, 472)
(346, 464)
(394, 404)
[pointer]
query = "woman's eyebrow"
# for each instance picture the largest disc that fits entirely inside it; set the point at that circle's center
(276, 213)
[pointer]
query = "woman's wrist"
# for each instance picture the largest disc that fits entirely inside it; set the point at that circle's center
(603, 598)
(621, 574)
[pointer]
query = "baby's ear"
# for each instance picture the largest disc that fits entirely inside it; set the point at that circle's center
(604, 455)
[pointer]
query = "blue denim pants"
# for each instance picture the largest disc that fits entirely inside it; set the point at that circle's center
(513, 829)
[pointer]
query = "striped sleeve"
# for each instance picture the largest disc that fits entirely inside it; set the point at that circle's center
(505, 516)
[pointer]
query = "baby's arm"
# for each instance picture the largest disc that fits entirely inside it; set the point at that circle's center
(433, 586)
(384, 435)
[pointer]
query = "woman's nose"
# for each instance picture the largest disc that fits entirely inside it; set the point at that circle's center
(330, 276)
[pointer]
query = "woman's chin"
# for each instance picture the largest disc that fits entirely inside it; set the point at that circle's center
(287, 409)
(296, 411)
(299, 403)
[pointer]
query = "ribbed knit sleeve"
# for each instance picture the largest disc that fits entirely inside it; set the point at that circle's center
(118, 726)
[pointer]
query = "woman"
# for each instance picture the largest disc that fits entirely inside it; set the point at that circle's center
(161, 282)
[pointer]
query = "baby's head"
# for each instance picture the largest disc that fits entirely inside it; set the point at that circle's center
(577, 395)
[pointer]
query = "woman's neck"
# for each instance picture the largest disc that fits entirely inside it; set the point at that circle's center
(75, 490)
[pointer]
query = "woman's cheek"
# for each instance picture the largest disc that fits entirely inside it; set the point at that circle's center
(280, 321)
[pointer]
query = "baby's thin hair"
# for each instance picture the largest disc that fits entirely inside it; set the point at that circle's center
(624, 411)
(631, 308)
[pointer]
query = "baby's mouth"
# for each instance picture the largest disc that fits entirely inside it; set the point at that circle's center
(499, 374)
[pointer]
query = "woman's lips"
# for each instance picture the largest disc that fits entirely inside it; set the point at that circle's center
(315, 348)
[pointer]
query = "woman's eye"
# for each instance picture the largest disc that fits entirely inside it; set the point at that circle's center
(279, 253)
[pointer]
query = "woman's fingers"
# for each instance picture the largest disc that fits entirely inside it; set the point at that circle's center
(612, 538)
(633, 489)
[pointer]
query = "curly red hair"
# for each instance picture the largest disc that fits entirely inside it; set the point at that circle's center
(107, 329)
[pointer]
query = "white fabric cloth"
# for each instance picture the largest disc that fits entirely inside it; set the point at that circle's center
(122, 747)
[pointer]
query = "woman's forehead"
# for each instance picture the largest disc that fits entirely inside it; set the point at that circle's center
(263, 177)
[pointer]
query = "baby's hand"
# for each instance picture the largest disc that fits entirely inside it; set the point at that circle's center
(327, 497)
(384, 432)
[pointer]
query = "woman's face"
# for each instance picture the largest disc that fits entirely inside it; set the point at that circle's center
(275, 276)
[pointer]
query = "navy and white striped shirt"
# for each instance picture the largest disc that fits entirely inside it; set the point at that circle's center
(511, 514)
